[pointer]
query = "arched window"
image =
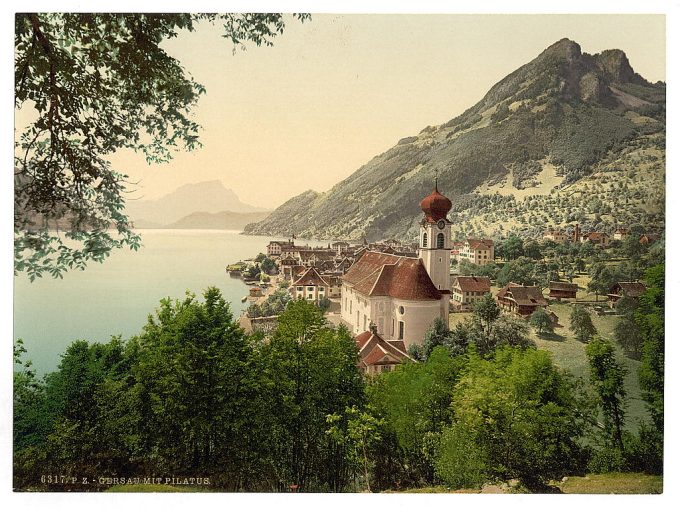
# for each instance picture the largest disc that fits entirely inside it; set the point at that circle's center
(440, 241)
(425, 239)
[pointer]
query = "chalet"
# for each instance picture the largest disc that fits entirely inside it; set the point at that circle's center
(521, 300)
(477, 251)
(648, 238)
(559, 290)
(598, 238)
(311, 286)
(403, 295)
(557, 236)
(632, 289)
(275, 247)
(466, 290)
(621, 233)
(377, 355)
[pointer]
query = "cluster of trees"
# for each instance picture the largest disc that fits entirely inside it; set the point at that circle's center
(194, 393)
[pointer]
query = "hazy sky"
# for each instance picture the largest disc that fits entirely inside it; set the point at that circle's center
(339, 89)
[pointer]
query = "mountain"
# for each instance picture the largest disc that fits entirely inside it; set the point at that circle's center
(567, 137)
(210, 196)
(218, 221)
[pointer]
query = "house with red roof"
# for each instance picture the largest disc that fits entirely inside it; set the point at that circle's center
(403, 295)
(477, 251)
(632, 289)
(377, 355)
(466, 290)
(520, 300)
(311, 286)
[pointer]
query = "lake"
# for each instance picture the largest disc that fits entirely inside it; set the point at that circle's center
(117, 296)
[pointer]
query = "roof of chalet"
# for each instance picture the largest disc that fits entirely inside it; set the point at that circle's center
(595, 235)
(480, 243)
(629, 288)
(373, 349)
(523, 295)
(311, 278)
(382, 274)
(558, 285)
(473, 283)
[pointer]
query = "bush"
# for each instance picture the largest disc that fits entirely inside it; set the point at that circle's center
(461, 463)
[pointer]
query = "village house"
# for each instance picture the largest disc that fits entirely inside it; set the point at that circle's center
(275, 247)
(560, 290)
(311, 286)
(632, 289)
(621, 233)
(597, 238)
(466, 290)
(557, 236)
(377, 355)
(648, 238)
(403, 295)
(477, 251)
(455, 250)
(520, 300)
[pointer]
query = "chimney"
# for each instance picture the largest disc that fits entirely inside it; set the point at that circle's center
(373, 328)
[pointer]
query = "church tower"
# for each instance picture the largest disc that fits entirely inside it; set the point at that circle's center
(435, 239)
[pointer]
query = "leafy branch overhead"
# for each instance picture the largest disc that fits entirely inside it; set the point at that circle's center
(94, 84)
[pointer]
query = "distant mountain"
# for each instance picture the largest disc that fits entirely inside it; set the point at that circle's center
(218, 221)
(210, 197)
(567, 137)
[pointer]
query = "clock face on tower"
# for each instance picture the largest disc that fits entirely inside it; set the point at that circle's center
(440, 224)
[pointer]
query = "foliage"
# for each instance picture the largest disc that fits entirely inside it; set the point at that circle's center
(324, 304)
(606, 376)
(524, 416)
(414, 401)
(581, 324)
(521, 271)
(487, 311)
(436, 335)
(649, 318)
(274, 304)
(97, 83)
(513, 248)
(540, 320)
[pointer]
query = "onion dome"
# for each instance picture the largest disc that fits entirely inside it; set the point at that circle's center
(435, 206)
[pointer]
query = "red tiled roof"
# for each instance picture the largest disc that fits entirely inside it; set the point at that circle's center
(473, 283)
(373, 348)
(480, 243)
(393, 276)
(311, 278)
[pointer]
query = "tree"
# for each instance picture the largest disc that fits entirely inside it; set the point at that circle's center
(519, 417)
(606, 376)
(521, 271)
(650, 320)
(324, 304)
(581, 324)
(540, 320)
(487, 311)
(96, 83)
(513, 248)
(436, 335)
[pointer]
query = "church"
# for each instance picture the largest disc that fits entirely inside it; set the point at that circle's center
(403, 295)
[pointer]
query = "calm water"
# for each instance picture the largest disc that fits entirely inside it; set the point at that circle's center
(117, 296)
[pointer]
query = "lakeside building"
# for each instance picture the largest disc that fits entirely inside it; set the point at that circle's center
(403, 295)
(311, 286)
(276, 247)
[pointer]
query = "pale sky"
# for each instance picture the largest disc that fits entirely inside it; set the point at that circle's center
(339, 89)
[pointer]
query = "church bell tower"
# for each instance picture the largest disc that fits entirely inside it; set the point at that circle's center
(435, 238)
